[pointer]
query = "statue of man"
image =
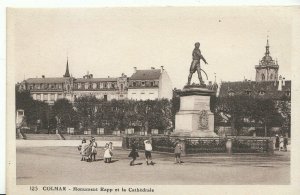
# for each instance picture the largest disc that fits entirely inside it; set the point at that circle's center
(195, 65)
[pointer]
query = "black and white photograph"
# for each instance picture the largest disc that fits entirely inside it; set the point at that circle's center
(139, 97)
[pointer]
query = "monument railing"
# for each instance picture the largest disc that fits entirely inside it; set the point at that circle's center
(194, 145)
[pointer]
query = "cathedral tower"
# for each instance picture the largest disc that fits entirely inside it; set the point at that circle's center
(267, 70)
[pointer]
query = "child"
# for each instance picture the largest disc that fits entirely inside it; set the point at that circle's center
(133, 154)
(107, 154)
(94, 148)
(148, 149)
(177, 152)
(83, 149)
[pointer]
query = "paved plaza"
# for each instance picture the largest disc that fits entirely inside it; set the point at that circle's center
(61, 165)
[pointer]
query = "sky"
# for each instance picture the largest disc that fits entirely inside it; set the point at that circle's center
(111, 41)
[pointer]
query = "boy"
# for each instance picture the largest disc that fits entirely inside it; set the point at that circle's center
(177, 152)
(148, 149)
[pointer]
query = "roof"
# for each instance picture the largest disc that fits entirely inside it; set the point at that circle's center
(152, 74)
(269, 87)
(62, 80)
(79, 80)
(46, 80)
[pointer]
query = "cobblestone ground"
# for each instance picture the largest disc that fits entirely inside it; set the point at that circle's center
(62, 165)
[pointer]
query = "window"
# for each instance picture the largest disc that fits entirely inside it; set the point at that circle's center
(38, 96)
(60, 96)
(143, 83)
(262, 77)
(86, 86)
(45, 97)
(105, 97)
(94, 85)
(142, 92)
(288, 93)
(105, 85)
(52, 97)
(122, 87)
(151, 93)
(134, 84)
(271, 76)
(151, 83)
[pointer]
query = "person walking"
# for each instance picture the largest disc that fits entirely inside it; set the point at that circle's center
(285, 143)
(177, 151)
(148, 149)
(277, 142)
(281, 143)
(133, 153)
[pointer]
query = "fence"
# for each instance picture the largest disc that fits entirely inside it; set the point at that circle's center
(194, 145)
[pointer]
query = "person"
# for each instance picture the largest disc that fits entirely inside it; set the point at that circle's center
(281, 143)
(107, 153)
(177, 152)
(285, 143)
(94, 148)
(277, 142)
(148, 149)
(84, 150)
(195, 65)
(133, 153)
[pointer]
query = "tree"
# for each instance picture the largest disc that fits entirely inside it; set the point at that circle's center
(234, 110)
(64, 113)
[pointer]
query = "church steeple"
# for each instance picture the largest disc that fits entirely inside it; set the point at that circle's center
(267, 69)
(267, 48)
(67, 74)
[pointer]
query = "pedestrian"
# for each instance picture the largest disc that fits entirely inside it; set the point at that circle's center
(177, 151)
(107, 153)
(285, 143)
(277, 142)
(94, 148)
(281, 143)
(148, 149)
(133, 153)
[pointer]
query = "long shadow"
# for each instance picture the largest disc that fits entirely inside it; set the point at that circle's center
(138, 164)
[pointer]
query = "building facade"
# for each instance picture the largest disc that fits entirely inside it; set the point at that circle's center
(150, 84)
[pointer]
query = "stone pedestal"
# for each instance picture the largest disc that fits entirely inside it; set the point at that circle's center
(194, 117)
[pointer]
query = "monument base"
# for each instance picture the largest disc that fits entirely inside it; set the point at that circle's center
(194, 118)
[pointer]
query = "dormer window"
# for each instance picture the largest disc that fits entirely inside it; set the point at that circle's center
(288, 93)
(151, 83)
(261, 92)
(231, 93)
(143, 83)
(248, 92)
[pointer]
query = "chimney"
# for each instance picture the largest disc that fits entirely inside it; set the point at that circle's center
(43, 76)
(135, 69)
(280, 84)
(162, 68)
(283, 81)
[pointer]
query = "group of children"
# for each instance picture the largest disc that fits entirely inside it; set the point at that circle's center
(148, 149)
(88, 151)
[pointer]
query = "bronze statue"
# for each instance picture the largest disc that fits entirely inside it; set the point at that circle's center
(195, 65)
